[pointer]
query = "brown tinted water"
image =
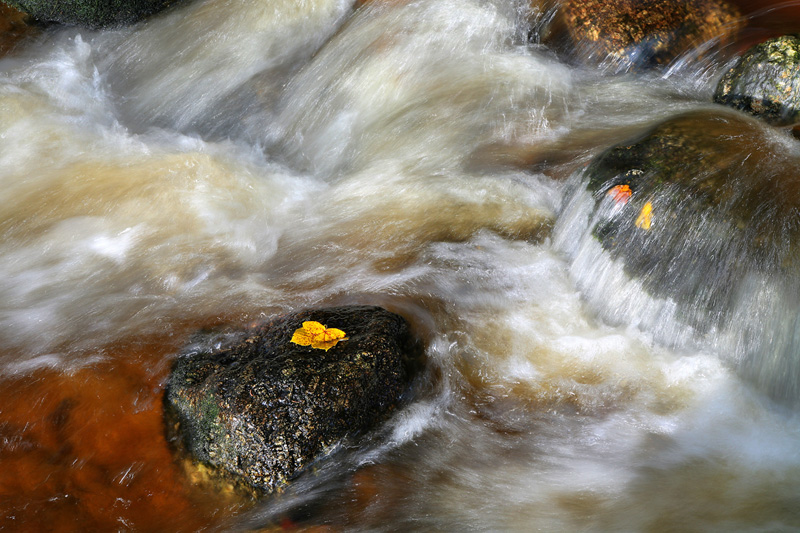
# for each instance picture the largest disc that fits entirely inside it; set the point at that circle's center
(233, 160)
(85, 450)
(767, 19)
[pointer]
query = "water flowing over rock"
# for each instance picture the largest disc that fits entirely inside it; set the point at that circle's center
(702, 210)
(92, 14)
(231, 161)
(261, 410)
(765, 81)
(634, 34)
(360, 3)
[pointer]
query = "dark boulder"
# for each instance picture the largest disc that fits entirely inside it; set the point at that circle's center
(634, 34)
(261, 409)
(765, 81)
(694, 204)
(703, 212)
(91, 13)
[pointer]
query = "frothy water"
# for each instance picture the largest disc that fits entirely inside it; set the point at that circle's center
(236, 159)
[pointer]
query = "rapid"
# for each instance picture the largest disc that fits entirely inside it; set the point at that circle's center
(227, 161)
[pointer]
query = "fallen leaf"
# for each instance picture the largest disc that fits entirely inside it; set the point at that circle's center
(318, 336)
(620, 194)
(645, 217)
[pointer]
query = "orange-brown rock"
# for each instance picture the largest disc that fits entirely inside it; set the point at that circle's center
(14, 26)
(634, 34)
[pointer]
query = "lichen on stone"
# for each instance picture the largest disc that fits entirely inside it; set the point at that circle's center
(765, 81)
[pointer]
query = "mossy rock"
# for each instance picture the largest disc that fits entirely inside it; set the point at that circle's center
(91, 13)
(259, 411)
(636, 34)
(765, 81)
(695, 204)
(702, 214)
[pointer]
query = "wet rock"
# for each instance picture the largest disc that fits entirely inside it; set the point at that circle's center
(765, 81)
(545, 22)
(260, 410)
(14, 26)
(91, 13)
(360, 3)
(634, 34)
(703, 212)
(697, 202)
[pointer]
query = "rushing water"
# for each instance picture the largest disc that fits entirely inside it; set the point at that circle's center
(233, 159)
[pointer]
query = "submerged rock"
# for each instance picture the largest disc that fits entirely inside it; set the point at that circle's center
(91, 13)
(703, 211)
(644, 33)
(697, 202)
(261, 410)
(765, 81)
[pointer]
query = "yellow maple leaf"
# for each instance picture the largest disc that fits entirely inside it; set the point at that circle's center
(645, 217)
(318, 336)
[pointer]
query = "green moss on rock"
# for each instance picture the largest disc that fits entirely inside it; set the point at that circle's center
(702, 212)
(724, 199)
(765, 81)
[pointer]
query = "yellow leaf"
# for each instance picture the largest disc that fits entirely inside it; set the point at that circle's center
(645, 217)
(318, 336)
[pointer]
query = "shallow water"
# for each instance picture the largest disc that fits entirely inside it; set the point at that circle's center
(230, 160)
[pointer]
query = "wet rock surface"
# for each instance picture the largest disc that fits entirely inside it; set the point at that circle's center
(89, 13)
(260, 410)
(765, 81)
(696, 204)
(14, 27)
(636, 34)
(702, 211)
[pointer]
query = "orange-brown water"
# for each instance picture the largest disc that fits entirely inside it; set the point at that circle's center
(85, 450)
(543, 416)
(767, 19)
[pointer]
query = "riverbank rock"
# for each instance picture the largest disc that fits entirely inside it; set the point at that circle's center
(701, 213)
(635, 34)
(765, 81)
(14, 26)
(260, 410)
(91, 13)
(697, 202)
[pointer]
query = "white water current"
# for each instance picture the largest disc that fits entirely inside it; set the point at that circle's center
(244, 158)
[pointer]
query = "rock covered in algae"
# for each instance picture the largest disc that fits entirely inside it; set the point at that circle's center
(637, 34)
(259, 411)
(91, 13)
(765, 81)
